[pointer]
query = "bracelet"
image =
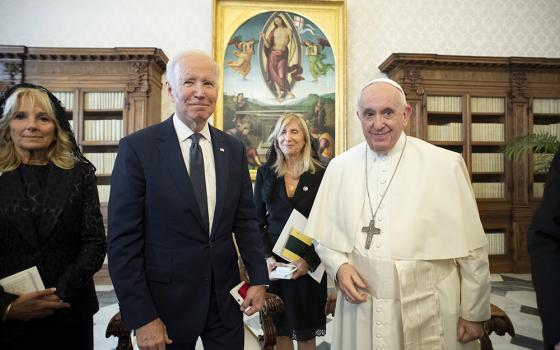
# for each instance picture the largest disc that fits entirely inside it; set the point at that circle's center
(6, 312)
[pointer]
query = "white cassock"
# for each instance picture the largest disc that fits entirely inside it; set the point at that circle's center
(428, 267)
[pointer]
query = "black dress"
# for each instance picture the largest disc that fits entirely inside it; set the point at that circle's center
(304, 298)
(50, 218)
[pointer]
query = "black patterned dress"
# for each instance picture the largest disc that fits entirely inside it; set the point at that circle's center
(50, 218)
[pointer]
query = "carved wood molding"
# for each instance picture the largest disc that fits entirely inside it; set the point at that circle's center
(12, 52)
(157, 56)
(517, 63)
(15, 71)
(413, 82)
(138, 82)
(518, 85)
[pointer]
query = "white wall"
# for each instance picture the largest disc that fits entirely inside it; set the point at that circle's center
(172, 25)
(376, 28)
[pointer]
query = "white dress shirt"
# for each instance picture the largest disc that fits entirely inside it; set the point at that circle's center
(183, 135)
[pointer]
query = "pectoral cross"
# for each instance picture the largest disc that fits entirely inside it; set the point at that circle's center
(370, 230)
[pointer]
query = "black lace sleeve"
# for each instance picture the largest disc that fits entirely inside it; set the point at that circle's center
(92, 252)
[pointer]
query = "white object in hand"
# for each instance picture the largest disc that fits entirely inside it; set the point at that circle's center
(23, 282)
(283, 271)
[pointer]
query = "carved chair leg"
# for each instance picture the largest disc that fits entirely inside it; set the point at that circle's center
(272, 305)
(499, 323)
(115, 328)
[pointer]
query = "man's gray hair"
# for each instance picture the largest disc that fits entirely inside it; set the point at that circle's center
(172, 63)
(386, 81)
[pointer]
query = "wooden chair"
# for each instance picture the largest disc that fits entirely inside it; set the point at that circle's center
(272, 305)
(115, 328)
(500, 323)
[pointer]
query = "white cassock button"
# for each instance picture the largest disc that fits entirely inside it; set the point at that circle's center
(378, 245)
(378, 335)
(378, 309)
(305, 188)
(383, 181)
(378, 323)
(380, 218)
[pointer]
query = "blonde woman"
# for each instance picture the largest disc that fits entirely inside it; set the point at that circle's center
(289, 180)
(49, 218)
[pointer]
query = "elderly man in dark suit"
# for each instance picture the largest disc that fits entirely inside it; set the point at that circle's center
(543, 242)
(179, 190)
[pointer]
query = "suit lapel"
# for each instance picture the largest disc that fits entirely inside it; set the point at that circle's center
(56, 194)
(222, 173)
(14, 202)
(171, 154)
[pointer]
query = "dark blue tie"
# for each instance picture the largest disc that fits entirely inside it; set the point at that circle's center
(196, 172)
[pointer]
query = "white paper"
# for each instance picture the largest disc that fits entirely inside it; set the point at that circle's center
(297, 221)
(23, 282)
(253, 323)
(283, 271)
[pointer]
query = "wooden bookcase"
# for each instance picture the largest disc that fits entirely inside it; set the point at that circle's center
(474, 106)
(544, 118)
(108, 93)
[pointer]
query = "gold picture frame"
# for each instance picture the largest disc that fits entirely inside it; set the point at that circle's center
(266, 71)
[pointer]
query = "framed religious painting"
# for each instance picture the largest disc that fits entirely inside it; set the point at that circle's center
(280, 57)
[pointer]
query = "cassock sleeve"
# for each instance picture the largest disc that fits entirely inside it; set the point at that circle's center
(327, 223)
(475, 285)
(331, 259)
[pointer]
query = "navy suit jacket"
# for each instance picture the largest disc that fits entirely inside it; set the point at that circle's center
(161, 255)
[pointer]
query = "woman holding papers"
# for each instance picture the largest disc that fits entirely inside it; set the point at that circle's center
(289, 181)
(50, 222)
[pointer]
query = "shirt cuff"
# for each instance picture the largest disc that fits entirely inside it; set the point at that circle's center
(339, 261)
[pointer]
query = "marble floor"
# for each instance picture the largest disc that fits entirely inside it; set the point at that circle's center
(513, 293)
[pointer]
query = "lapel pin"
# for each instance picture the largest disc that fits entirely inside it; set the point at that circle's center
(221, 149)
(305, 188)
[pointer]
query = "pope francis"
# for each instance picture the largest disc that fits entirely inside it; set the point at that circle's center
(396, 224)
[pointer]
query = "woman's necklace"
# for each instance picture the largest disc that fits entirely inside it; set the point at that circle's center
(371, 230)
(291, 184)
(291, 190)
